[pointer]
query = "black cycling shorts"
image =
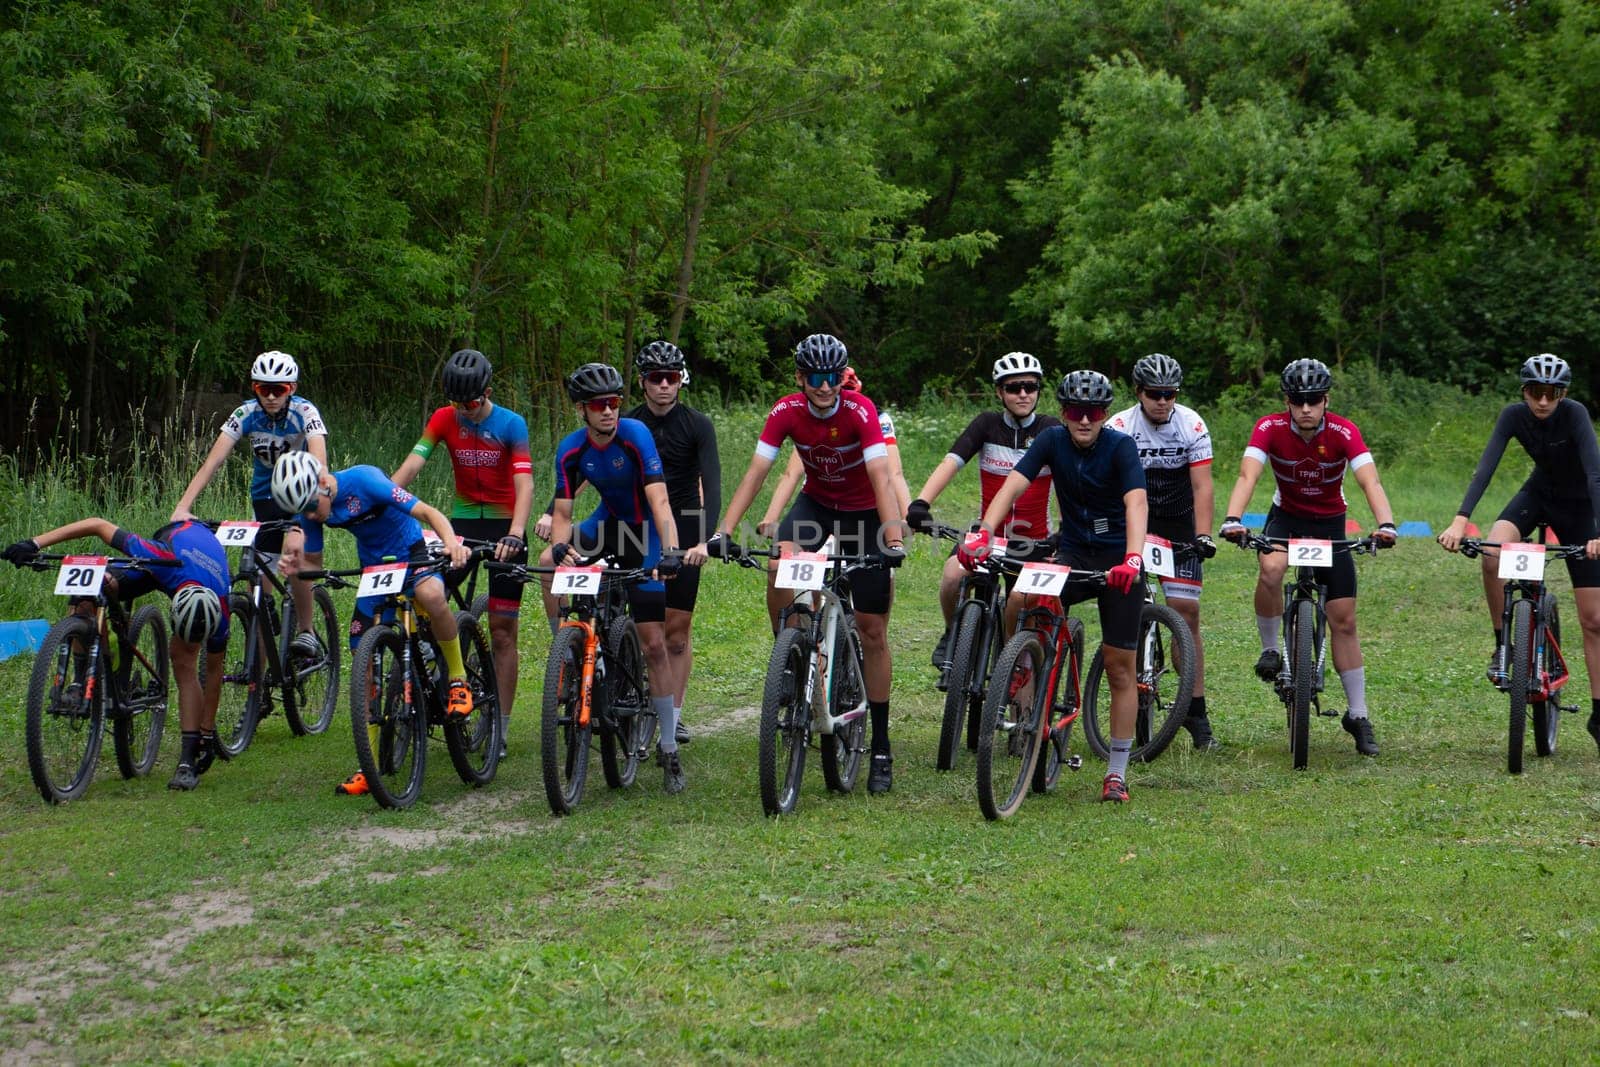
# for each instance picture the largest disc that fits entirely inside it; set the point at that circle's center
(631, 545)
(1119, 612)
(809, 523)
(1341, 577)
(1572, 523)
(684, 591)
(270, 542)
(505, 594)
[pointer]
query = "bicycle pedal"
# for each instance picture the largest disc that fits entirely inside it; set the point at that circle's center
(1074, 762)
(1570, 709)
(1330, 713)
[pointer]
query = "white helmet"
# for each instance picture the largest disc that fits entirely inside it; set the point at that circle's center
(1014, 363)
(196, 612)
(294, 481)
(274, 366)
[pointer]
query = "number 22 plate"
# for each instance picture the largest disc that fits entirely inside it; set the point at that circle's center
(1522, 562)
(801, 570)
(80, 575)
(1310, 552)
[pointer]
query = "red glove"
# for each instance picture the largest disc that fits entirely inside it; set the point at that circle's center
(1122, 577)
(974, 548)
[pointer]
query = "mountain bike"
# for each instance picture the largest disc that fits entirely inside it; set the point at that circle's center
(398, 686)
(94, 664)
(1165, 659)
(261, 664)
(1305, 629)
(1530, 667)
(977, 636)
(1022, 714)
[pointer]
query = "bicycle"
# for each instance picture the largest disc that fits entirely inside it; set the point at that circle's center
(260, 660)
(1047, 646)
(977, 636)
(1530, 668)
(398, 687)
(1305, 629)
(72, 690)
(595, 674)
(1165, 666)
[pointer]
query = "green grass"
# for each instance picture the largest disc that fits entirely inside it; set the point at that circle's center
(1423, 906)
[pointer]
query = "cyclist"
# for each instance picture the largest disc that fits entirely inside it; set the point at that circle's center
(847, 494)
(383, 518)
(488, 446)
(198, 587)
(1563, 492)
(633, 523)
(1175, 450)
(998, 438)
(1309, 448)
(1100, 490)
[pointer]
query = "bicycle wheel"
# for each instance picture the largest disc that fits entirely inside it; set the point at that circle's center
(785, 723)
(1521, 656)
(841, 750)
(474, 741)
(387, 720)
(563, 741)
(962, 689)
(1008, 739)
(1054, 752)
(1547, 713)
(628, 728)
(239, 704)
(137, 726)
(1302, 645)
(312, 693)
(1166, 663)
(63, 719)
(480, 605)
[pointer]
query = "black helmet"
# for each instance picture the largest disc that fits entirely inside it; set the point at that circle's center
(1157, 371)
(1085, 387)
(592, 380)
(1546, 369)
(659, 355)
(466, 375)
(821, 352)
(1307, 376)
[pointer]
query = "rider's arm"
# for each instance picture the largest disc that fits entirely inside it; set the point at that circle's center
(939, 479)
(1377, 499)
(408, 469)
(560, 521)
(202, 477)
(1136, 513)
(91, 527)
(710, 470)
(318, 446)
(522, 485)
(435, 518)
(1250, 470)
(889, 513)
(897, 482)
(1205, 506)
(1483, 473)
(745, 495)
(655, 494)
(788, 482)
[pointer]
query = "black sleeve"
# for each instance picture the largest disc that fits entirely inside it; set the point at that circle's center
(710, 470)
(1588, 452)
(1484, 471)
(971, 440)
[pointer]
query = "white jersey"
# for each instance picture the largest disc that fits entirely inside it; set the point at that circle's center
(1167, 452)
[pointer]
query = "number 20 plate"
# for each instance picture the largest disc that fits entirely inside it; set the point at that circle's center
(80, 575)
(801, 570)
(1522, 562)
(1310, 552)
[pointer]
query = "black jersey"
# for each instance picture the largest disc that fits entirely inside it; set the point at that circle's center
(1566, 459)
(687, 442)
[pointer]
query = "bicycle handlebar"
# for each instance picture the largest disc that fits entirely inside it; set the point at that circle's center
(1361, 546)
(42, 561)
(435, 562)
(1472, 547)
(525, 573)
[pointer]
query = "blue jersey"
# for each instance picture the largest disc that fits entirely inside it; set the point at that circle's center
(1090, 485)
(375, 510)
(271, 436)
(619, 471)
(201, 559)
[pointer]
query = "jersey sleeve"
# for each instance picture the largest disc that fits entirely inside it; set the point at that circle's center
(1200, 447)
(966, 446)
(569, 468)
(774, 431)
(432, 433)
(710, 469)
(517, 445)
(886, 426)
(233, 425)
(315, 427)
(1037, 457)
(1259, 447)
(1130, 472)
(873, 445)
(1360, 455)
(313, 532)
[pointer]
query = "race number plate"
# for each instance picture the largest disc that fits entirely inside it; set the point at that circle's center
(1043, 579)
(801, 570)
(80, 575)
(1310, 552)
(431, 539)
(1158, 556)
(576, 581)
(385, 579)
(997, 548)
(238, 534)
(1522, 562)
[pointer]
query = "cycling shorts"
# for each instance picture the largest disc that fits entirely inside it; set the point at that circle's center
(1341, 577)
(1119, 612)
(366, 609)
(631, 545)
(808, 524)
(269, 542)
(505, 594)
(1571, 521)
(1186, 570)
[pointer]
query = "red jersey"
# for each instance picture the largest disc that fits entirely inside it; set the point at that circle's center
(484, 455)
(834, 448)
(1310, 473)
(998, 440)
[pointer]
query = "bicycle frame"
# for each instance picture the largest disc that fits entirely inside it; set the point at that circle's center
(827, 614)
(1549, 674)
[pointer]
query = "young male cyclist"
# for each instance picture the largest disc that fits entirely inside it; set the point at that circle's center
(1175, 450)
(1309, 448)
(633, 523)
(1563, 491)
(847, 494)
(488, 446)
(198, 587)
(998, 437)
(383, 518)
(1100, 490)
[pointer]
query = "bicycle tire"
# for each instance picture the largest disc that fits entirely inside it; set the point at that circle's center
(239, 704)
(1008, 739)
(628, 725)
(311, 690)
(1053, 754)
(785, 726)
(563, 742)
(842, 749)
(1521, 657)
(1547, 712)
(1166, 667)
(395, 765)
(1302, 645)
(473, 741)
(480, 605)
(62, 728)
(137, 726)
(960, 683)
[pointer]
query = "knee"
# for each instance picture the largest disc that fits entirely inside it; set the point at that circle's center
(1119, 668)
(1589, 620)
(873, 631)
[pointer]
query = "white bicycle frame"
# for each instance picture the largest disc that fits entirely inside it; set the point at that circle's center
(819, 680)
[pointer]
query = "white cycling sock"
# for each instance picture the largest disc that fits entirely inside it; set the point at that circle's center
(669, 722)
(1268, 626)
(1354, 681)
(1118, 763)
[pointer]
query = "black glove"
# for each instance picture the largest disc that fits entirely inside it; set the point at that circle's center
(21, 553)
(919, 516)
(669, 564)
(1233, 530)
(1204, 546)
(513, 544)
(893, 555)
(558, 552)
(721, 546)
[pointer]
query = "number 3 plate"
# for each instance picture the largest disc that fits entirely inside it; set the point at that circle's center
(801, 570)
(1310, 552)
(1522, 562)
(80, 575)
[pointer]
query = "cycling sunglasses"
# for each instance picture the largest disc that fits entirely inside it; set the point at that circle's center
(1306, 400)
(1161, 394)
(1541, 391)
(1080, 412)
(1018, 388)
(270, 390)
(818, 378)
(603, 403)
(468, 405)
(663, 377)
